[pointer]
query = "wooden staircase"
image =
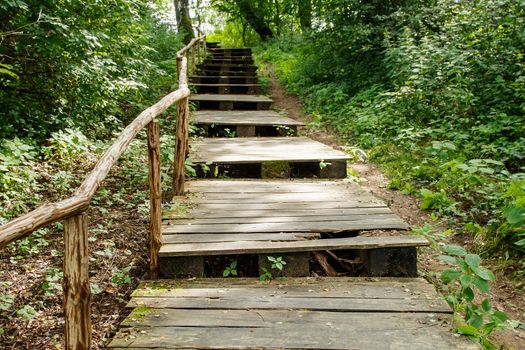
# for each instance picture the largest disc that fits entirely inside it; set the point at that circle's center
(292, 206)
(304, 211)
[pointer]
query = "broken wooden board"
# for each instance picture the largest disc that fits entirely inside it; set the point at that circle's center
(242, 118)
(304, 313)
(253, 150)
(258, 247)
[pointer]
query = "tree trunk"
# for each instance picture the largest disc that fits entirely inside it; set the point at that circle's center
(182, 13)
(305, 14)
(254, 18)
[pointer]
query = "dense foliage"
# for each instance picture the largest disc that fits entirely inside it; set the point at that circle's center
(73, 72)
(435, 90)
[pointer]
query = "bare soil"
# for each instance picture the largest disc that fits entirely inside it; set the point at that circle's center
(506, 294)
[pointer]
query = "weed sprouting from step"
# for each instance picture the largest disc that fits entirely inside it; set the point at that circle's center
(277, 264)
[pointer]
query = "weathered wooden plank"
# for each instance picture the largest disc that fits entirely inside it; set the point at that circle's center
(313, 284)
(255, 247)
(320, 287)
(281, 197)
(305, 226)
(271, 319)
(279, 219)
(249, 150)
(218, 213)
(413, 336)
(274, 185)
(203, 238)
(230, 98)
(242, 118)
(269, 303)
(284, 205)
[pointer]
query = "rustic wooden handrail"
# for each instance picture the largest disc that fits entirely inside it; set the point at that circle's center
(77, 295)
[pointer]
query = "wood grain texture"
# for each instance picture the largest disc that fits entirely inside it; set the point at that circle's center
(77, 292)
(230, 98)
(253, 150)
(155, 190)
(293, 313)
(242, 118)
(257, 247)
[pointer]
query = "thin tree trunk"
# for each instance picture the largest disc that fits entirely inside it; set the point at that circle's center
(254, 18)
(182, 13)
(305, 14)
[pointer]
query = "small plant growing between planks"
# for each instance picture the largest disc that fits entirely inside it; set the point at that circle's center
(277, 264)
(230, 270)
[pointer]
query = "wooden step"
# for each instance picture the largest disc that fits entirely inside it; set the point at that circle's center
(277, 211)
(230, 101)
(297, 313)
(293, 156)
(267, 117)
(223, 79)
(251, 89)
(245, 123)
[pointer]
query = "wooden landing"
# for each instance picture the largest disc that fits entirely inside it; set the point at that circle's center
(306, 313)
(268, 149)
(242, 118)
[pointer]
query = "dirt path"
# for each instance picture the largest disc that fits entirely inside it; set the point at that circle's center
(505, 296)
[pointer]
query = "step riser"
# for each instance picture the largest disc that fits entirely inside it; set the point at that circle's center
(224, 80)
(268, 170)
(231, 105)
(383, 262)
(231, 50)
(248, 130)
(225, 67)
(226, 90)
(227, 73)
(246, 61)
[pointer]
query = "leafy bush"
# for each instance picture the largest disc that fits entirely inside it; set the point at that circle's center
(434, 91)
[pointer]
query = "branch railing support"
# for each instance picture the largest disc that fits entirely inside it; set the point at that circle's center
(77, 291)
(155, 190)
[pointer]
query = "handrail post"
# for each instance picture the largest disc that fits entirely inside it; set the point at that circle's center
(193, 58)
(77, 292)
(199, 51)
(155, 190)
(179, 176)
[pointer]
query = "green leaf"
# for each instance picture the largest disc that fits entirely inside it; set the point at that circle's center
(515, 216)
(472, 260)
(468, 294)
(234, 272)
(484, 273)
(26, 312)
(465, 280)
(485, 305)
(226, 273)
(450, 275)
(468, 330)
(233, 264)
(456, 250)
(476, 321)
(481, 284)
(500, 316)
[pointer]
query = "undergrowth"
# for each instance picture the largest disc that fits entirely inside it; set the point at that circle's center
(437, 99)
